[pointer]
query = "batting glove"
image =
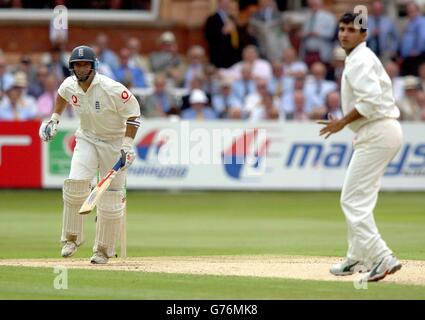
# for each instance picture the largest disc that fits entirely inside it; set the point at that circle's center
(127, 153)
(49, 128)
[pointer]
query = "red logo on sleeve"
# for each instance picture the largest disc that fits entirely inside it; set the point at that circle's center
(125, 96)
(74, 99)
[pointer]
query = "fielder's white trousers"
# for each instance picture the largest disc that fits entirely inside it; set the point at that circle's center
(375, 145)
(92, 155)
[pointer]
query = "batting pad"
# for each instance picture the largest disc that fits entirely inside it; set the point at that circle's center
(74, 194)
(110, 210)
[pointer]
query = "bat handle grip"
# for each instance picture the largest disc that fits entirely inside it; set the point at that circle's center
(118, 165)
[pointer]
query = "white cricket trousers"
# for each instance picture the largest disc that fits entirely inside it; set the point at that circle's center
(375, 145)
(92, 155)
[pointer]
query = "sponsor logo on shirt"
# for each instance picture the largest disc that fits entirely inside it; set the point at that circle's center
(125, 96)
(75, 101)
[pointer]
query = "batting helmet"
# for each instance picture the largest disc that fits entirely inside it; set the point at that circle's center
(82, 53)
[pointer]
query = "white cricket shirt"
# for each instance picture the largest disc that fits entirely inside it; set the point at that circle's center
(103, 109)
(367, 87)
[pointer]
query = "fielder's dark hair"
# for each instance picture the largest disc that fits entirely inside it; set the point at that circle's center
(351, 17)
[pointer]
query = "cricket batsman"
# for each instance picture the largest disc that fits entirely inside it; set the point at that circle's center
(109, 118)
(370, 111)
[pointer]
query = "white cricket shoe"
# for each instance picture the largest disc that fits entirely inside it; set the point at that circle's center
(69, 249)
(99, 258)
(387, 265)
(345, 268)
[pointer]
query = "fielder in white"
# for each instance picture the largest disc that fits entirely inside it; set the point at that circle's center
(369, 110)
(109, 118)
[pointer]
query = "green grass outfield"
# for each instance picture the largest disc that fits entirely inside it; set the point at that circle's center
(210, 223)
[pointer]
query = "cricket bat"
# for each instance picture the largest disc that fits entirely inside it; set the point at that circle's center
(100, 189)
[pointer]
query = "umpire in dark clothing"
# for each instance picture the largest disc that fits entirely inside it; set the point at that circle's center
(222, 36)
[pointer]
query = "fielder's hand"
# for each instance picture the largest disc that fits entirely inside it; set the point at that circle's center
(127, 153)
(49, 128)
(332, 126)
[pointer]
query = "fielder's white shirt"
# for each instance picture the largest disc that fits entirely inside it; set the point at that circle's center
(367, 87)
(103, 109)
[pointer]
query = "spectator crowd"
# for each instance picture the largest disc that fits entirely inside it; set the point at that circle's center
(256, 71)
